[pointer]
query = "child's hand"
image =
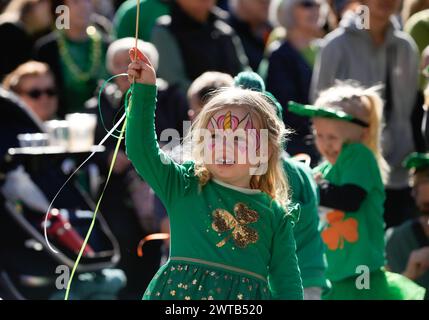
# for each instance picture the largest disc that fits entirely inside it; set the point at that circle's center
(140, 70)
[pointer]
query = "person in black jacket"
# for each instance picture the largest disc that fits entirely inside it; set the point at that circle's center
(195, 39)
(249, 19)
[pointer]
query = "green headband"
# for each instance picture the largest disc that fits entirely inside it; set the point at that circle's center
(310, 111)
(417, 161)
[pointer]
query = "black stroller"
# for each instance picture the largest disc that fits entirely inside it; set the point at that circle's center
(28, 268)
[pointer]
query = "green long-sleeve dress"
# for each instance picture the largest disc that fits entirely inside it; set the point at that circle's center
(226, 242)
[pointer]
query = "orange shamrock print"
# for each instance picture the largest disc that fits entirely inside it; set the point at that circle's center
(339, 229)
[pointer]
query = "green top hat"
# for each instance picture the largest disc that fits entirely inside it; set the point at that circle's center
(417, 161)
(306, 110)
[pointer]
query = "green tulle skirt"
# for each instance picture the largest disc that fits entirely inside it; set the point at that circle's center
(383, 285)
(179, 280)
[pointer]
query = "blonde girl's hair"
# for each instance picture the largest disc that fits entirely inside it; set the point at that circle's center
(273, 181)
(364, 104)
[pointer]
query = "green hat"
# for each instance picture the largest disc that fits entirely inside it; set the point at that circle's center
(253, 81)
(249, 80)
(330, 113)
(417, 161)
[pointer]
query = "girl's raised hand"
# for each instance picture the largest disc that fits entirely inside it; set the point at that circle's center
(140, 70)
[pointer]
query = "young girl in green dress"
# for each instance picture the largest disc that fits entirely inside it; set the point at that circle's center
(231, 237)
(347, 130)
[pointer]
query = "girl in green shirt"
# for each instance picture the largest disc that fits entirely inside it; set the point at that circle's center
(347, 130)
(230, 235)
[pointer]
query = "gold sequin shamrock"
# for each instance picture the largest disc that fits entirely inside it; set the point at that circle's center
(242, 235)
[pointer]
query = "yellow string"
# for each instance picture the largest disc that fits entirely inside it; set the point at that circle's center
(137, 34)
(112, 164)
(85, 242)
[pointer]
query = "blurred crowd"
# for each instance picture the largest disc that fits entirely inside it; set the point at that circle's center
(54, 61)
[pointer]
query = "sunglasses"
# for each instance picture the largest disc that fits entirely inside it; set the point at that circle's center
(37, 93)
(309, 4)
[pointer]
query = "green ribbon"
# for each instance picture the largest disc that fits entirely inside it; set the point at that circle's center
(112, 164)
(94, 217)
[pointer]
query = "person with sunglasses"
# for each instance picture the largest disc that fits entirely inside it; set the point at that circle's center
(33, 83)
(28, 98)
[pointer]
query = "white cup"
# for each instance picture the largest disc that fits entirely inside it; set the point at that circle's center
(82, 131)
(33, 140)
(58, 131)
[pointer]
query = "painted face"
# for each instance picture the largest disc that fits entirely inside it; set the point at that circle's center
(234, 138)
(232, 131)
(332, 134)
